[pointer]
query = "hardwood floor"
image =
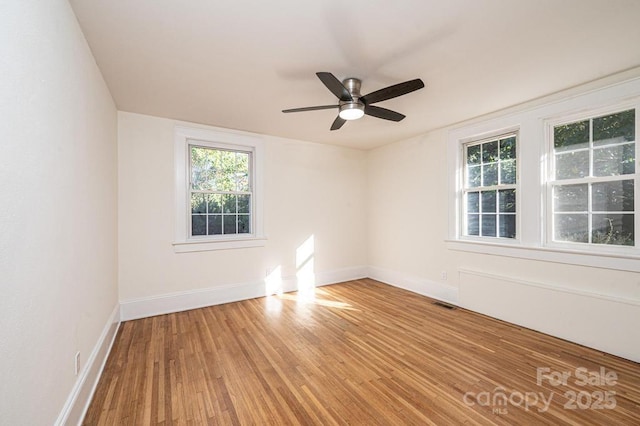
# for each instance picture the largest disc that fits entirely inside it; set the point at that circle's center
(360, 352)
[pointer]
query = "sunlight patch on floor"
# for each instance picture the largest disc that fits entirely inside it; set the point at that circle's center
(305, 299)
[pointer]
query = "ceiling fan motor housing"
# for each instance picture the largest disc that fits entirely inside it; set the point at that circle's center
(353, 109)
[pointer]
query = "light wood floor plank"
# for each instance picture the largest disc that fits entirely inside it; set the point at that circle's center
(360, 352)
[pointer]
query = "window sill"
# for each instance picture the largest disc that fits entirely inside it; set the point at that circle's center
(208, 245)
(596, 259)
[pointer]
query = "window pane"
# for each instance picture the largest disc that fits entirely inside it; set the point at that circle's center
(242, 171)
(243, 182)
(208, 168)
(490, 152)
(473, 202)
(216, 169)
(244, 205)
(226, 170)
(488, 225)
(508, 148)
(507, 201)
(198, 224)
(572, 165)
(473, 224)
(571, 227)
(229, 203)
(473, 176)
(508, 172)
(244, 224)
(215, 224)
(488, 201)
(614, 160)
(615, 128)
(507, 226)
(202, 171)
(571, 198)
(571, 136)
(215, 203)
(613, 196)
(616, 229)
(490, 174)
(198, 204)
(229, 223)
(473, 154)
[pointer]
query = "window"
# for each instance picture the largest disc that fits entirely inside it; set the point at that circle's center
(218, 190)
(575, 196)
(489, 193)
(592, 180)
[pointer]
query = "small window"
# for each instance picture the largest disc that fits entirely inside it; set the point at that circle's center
(489, 190)
(593, 180)
(218, 190)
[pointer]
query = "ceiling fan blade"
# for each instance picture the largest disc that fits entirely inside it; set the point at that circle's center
(392, 91)
(337, 123)
(336, 87)
(383, 113)
(313, 108)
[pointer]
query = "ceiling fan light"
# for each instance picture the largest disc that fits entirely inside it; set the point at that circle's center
(351, 111)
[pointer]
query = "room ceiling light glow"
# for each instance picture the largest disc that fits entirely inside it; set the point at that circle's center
(351, 111)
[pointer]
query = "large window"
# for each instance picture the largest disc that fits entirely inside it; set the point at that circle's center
(218, 190)
(490, 187)
(555, 180)
(592, 180)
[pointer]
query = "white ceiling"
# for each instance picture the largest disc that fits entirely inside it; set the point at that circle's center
(237, 64)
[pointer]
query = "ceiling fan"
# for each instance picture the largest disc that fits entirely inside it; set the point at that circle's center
(352, 105)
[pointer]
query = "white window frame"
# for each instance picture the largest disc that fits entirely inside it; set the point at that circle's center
(464, 190)
(616, 93)
(184, 137)
(551, 181)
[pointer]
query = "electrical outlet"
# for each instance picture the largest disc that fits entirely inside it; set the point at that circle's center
(443, 275)
(77, 363)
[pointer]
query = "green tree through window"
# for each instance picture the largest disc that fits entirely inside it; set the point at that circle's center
(220, 191)
(490, 187)
(594, 179)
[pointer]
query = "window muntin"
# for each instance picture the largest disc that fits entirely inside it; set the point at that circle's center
(593, 180)
(220, 191)
(489, 192)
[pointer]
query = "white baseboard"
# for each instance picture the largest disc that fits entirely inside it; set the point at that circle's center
(433, 289)
(79, 399)
(193, 299)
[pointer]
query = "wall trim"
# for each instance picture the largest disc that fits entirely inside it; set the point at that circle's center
(583, 317)
(597, 259)
(444, 292)
(78, 401)
(192, 299)
(610, 298)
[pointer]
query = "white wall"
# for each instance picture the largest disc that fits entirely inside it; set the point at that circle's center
(310, 189)
(408, 190)
(58, 279)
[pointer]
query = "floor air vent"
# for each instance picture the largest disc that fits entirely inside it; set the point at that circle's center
(444, 305)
